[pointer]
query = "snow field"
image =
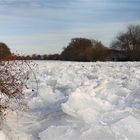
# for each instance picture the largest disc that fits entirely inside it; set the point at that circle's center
(80, 101)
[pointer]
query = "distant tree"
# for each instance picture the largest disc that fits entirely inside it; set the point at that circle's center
(53, 57)
(100, 52)
(129, 42)
(82, 49)
(77, 50)
(34, 56)
(4, 51)
(44, 57)
(28, 57)
(38, 57)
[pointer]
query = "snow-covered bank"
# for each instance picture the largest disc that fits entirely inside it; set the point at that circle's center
(80, 101)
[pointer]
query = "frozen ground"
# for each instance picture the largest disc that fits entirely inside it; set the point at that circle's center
(80, 101)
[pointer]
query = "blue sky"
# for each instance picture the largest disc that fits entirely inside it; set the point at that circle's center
(46, 26)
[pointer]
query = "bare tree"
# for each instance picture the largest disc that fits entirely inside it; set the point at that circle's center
(129, 42)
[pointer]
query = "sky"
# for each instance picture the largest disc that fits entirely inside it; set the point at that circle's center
(47, 26)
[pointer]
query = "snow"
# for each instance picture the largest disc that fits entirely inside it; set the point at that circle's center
(2, 136)
(79, 101)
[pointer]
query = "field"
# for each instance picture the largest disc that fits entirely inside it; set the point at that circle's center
(79, 101)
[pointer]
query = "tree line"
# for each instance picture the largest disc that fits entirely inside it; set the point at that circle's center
(125, 47)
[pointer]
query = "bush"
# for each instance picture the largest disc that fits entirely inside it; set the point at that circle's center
(13, 80)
